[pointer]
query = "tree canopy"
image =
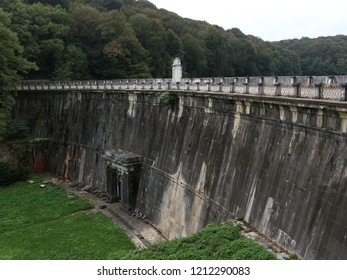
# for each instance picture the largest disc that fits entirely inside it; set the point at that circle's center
(82, 39)
(13, 64)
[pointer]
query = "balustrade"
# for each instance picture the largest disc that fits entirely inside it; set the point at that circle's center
(320, 87)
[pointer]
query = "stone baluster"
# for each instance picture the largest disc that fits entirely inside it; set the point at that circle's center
(330, 80)
(188, 84)
(208, 82)
(220, 85)
(159, 85)
(127, 84)
(197, 82)
(318, 89)
(178, 85)
(277, 86)
(232, 85)
(296, 86)
(151, 84)
(168, 82)
(344, 92)
(261, 86)
(246, 84)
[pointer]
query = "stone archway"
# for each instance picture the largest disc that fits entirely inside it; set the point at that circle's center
(123, 174)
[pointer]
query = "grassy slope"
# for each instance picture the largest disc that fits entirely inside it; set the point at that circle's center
(215, 242)
(36, 223)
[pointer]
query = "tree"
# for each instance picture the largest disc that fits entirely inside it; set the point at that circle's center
(13, 64)
(63, 3)
(217, 45)
(42, 29)
(84, 22)
(152, 36)
(126, 56)
(194, 56)
(174, 44)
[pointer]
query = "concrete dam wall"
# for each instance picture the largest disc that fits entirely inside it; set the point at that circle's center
(279, 163)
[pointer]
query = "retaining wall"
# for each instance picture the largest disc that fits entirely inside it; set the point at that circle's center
(279, 163)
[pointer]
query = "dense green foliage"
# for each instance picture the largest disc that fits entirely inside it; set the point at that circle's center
(81, 39)
(215, 242)
(42, 223)
(10, 174)
(169, 99)
(12, 65)
(320, 56)
(16, 129)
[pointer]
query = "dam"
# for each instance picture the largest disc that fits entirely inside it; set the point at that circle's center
(269, 150)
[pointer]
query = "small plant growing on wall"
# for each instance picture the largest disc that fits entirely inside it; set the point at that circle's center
(169, 99)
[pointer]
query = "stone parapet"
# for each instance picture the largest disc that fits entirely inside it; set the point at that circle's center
(309, 87)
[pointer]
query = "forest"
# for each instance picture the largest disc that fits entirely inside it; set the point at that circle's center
(115, 39)
(104, 39)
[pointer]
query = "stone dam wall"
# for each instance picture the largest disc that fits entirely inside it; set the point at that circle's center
(279, 163)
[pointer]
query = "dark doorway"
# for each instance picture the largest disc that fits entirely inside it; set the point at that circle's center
(113, 185)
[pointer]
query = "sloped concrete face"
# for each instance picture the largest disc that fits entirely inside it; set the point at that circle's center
(280, 164)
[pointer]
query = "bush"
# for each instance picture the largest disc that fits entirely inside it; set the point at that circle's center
(16, 129)
(9, 174)
(215, 242)
(169, 99)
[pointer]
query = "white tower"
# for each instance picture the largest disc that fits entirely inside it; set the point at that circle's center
(176, 71)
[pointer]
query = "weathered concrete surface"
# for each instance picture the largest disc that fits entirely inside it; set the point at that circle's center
(278, 163)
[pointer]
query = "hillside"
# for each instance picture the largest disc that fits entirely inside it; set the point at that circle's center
(83, 39)
(320, 56)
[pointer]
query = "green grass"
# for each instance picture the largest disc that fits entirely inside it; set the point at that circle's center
(37, 223)
(44, 224)
(215, 242)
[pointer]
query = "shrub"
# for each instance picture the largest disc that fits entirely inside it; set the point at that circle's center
(9, 174)
(16, 129)
(215, 242)
(169, 99)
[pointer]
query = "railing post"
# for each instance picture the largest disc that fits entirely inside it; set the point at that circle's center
(277, 86)
(296, 86)
(261, 86)
(197, 82)
(188, 84)
(220, 84)
(344, 92)
(246, 84)
(178, 85)
(232, 85)
(318, 90)
(159, 85)
(168, 84)
(208, 82)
